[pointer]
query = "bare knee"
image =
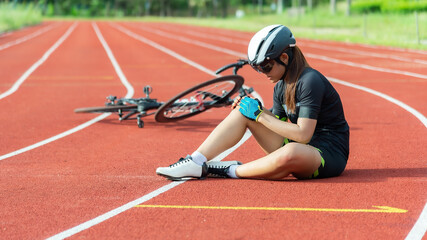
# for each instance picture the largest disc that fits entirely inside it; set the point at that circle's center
(237, 116)
(287, 157)
(236, 112)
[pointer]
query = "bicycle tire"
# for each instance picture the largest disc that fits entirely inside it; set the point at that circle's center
(232, 82)
(107, 109)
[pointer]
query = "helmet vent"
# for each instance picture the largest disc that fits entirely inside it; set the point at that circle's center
(260, 46)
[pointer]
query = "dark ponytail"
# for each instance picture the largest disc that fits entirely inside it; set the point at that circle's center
(296, 67)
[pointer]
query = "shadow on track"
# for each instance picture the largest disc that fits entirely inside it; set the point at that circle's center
(376, 175)
(185, 125)
(190, 125)
(358, 176)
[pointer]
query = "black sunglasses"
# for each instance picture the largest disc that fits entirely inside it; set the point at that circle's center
(265, 66)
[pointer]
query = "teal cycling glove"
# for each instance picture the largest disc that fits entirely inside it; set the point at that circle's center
(250, 108)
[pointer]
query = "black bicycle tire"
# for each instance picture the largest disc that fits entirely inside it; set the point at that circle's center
(106, 109)
(160, 117)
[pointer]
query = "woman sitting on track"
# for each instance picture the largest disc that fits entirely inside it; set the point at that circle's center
(318, 145)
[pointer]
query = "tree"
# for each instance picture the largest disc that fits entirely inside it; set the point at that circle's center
(224, 7)
(348, 8)
(279, 6)
(310, 4)
(333, 4)
(199, 6)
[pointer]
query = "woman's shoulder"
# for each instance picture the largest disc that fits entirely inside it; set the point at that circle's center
(311, 77)
(310, 80)
(311, 73)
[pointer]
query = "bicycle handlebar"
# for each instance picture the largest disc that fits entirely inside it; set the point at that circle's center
(236, 66)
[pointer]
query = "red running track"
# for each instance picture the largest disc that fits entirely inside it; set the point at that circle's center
(99, 182)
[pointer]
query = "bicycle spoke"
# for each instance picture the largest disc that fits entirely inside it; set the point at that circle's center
(197, 102)
(212, 93)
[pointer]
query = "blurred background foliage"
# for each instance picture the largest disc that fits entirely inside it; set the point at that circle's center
(400, 23)
(204, 8)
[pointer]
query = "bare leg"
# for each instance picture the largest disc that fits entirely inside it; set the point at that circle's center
(231, 130)
(299, 159)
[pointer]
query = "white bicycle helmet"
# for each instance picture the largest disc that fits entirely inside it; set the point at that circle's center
(269, 43)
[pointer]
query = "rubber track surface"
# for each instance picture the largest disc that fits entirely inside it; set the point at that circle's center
(62, 184)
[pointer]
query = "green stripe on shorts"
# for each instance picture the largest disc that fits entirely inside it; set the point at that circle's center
(322, 164)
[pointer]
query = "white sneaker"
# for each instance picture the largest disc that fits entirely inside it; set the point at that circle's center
(184, 168)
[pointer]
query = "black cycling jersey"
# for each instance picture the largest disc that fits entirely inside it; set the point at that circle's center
(317, 99)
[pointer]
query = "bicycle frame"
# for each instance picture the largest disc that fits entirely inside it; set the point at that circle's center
(126, 108)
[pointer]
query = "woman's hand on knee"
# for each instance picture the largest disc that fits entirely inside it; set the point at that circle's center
(251, 108)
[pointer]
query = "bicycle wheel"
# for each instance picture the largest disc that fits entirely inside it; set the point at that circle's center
(212, 93)
(107, 109)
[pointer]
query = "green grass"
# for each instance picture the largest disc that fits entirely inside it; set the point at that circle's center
(397, 30)
(376, 29)
(13, 16)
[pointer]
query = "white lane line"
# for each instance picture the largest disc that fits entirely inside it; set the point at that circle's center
(127, 206)
(157, 192)
(414, 112)
(417, 232)
(232, 37)
(193, 41)
(408, 108)
(365, 66)
(248, 35)
(382, 48)
(27, 73)
(54, 138)
(178, 56)
(420, 228)
(163, 49)
(134, 203)
(114, 212)
(316, 56)
(364, 53)
(27, 37)
(123, 79)
(88, 224)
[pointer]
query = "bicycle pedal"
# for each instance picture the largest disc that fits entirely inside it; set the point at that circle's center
(147, 90)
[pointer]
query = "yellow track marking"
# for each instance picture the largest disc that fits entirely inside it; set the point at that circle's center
(377, 209)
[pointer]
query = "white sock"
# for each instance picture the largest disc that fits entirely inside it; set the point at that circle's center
(232, 171)
(198, 158)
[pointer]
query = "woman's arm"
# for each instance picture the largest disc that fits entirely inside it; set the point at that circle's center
(300, 132)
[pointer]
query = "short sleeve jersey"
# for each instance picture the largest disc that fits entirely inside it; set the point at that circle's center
(316, 98)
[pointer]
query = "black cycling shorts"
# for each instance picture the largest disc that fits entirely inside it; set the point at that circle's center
(333, 161)
(332, 165)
